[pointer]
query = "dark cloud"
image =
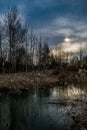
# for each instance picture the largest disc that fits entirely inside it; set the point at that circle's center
(60, 18)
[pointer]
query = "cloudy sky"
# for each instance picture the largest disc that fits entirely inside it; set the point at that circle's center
(59, 19)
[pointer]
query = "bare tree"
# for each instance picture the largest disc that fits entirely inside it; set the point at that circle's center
(0, 41)
(15, 33)
(80, 54)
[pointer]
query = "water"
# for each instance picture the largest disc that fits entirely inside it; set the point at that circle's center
(31, 111)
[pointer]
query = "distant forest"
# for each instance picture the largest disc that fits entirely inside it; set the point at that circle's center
(23, 50)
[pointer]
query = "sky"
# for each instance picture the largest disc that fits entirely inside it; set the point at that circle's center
(58, 19)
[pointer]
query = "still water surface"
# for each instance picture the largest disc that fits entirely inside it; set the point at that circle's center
(31, 111)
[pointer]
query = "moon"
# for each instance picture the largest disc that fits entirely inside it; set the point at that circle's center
(67, 40)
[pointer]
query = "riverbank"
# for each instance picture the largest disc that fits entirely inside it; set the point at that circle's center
(25, 81)
(38, 79)
(80, 120)
(77, 111)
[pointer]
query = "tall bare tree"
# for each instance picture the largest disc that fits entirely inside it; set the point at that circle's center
(15, 33)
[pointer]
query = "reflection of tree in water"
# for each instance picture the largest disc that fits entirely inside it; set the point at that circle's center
(13, 113)
(69, 91)
(31, 112)
(18, 114)
(4, 113)
(23, 113)
(43, 93)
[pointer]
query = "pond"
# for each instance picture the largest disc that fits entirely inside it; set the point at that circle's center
(31, 110)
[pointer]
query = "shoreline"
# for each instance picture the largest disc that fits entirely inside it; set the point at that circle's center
(38, 79)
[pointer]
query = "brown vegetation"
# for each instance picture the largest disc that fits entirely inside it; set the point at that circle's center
(39, 79)
(27, 80)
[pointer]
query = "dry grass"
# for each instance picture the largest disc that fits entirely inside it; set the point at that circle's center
(25, 80)
(36, 79)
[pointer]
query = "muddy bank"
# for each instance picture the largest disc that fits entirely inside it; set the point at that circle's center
(77, 111)
(65, 102)
(80, 120)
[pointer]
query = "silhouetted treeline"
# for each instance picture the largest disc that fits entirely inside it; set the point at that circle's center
(20, 48)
